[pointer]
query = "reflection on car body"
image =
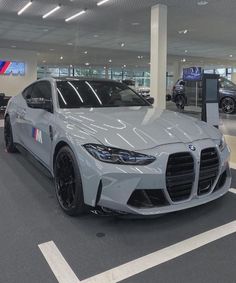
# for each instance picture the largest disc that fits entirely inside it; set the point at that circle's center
(108, 148)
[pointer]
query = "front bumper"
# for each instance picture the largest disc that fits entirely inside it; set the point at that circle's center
(114, 185)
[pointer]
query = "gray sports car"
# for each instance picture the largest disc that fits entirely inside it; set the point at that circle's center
(108, 149)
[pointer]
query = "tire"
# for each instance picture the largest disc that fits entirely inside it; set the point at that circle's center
(68, 183)
(180, 102)
(8, 136)
(228, 105)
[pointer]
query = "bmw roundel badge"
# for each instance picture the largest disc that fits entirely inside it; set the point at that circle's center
(192, 147)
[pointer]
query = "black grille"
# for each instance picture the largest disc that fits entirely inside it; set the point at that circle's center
(147, 198)
(209, 168)
(180, 176)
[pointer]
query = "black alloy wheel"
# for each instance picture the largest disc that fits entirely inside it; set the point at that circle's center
(8, 136)
(228, 105)
(68, 184)
(180, 102)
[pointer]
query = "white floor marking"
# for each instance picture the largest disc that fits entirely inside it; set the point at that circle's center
(144, 263)
(63, 272)
(233, 191)
(57, 263)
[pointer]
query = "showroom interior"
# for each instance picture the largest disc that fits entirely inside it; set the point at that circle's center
(177, 60)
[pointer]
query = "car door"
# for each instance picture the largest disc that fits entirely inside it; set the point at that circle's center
(21, 106)
(37, 132)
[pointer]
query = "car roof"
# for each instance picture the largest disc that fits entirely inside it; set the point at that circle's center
(82, 79)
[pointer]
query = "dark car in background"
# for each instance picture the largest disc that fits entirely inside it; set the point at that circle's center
(190, 93)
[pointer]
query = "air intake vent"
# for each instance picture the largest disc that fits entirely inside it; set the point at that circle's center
(180, 176)
(209, 169)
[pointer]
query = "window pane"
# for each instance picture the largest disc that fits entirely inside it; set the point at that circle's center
(42, 90)
(76, 94)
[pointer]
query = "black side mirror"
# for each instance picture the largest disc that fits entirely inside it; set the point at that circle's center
(168, 97)
(150, 100)
(40, 103)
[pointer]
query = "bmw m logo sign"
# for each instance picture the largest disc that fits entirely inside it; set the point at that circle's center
(192, 147)
(12, 67)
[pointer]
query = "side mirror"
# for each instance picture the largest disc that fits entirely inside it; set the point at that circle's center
(40, 103)
(168, 97)
(150, 100)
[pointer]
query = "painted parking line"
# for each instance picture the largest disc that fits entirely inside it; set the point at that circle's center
(127, 270)
(57, 263)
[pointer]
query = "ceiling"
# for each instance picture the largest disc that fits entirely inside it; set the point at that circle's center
(101, 30)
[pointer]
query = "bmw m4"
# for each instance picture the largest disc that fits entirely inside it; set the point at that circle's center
(109, 149)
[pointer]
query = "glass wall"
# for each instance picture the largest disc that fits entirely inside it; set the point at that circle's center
(141, 77)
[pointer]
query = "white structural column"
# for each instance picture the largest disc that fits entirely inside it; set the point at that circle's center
(233, 77)
(159, 54)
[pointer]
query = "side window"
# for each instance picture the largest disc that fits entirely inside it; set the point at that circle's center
(27, 92)
(42, 90)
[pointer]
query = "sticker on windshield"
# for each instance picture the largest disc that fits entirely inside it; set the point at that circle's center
(37, 135)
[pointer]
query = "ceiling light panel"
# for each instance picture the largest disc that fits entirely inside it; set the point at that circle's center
(75, 16)
(54, 10)
(102, 2)
(23, 9)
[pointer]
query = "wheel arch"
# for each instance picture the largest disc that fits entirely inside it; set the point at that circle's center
(57, 148)
(227, 96)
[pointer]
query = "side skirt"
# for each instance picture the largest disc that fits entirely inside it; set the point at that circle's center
(36, 162)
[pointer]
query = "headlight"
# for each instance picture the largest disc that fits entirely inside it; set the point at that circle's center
(222, 144)
(118, 156)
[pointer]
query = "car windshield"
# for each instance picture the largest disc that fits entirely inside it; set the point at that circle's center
(77, 94)
(224, 83)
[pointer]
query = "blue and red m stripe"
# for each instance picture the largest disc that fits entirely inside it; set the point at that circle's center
(4, 66)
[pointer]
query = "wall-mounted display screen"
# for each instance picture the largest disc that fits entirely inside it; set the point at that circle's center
(12, 68)
(192, 74)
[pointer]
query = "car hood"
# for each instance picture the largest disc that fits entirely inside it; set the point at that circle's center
(138, 128)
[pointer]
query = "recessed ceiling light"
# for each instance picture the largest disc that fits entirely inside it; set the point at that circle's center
(122, 44)
(44, 61)
(184, 31)
(87, 64)
(102, 2)
(183, 60)
(135, 24)
(186, 51)
(51, 12)
(61, 58)
(230, 55)
(124, 66)
(110, 61)
(86, 52)
(75, 16)
(24, 8)
(140, 57)
(202, 3)
(51, 49)
(13, 46)
(46, 30)
(96, 35)
(69, 43)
